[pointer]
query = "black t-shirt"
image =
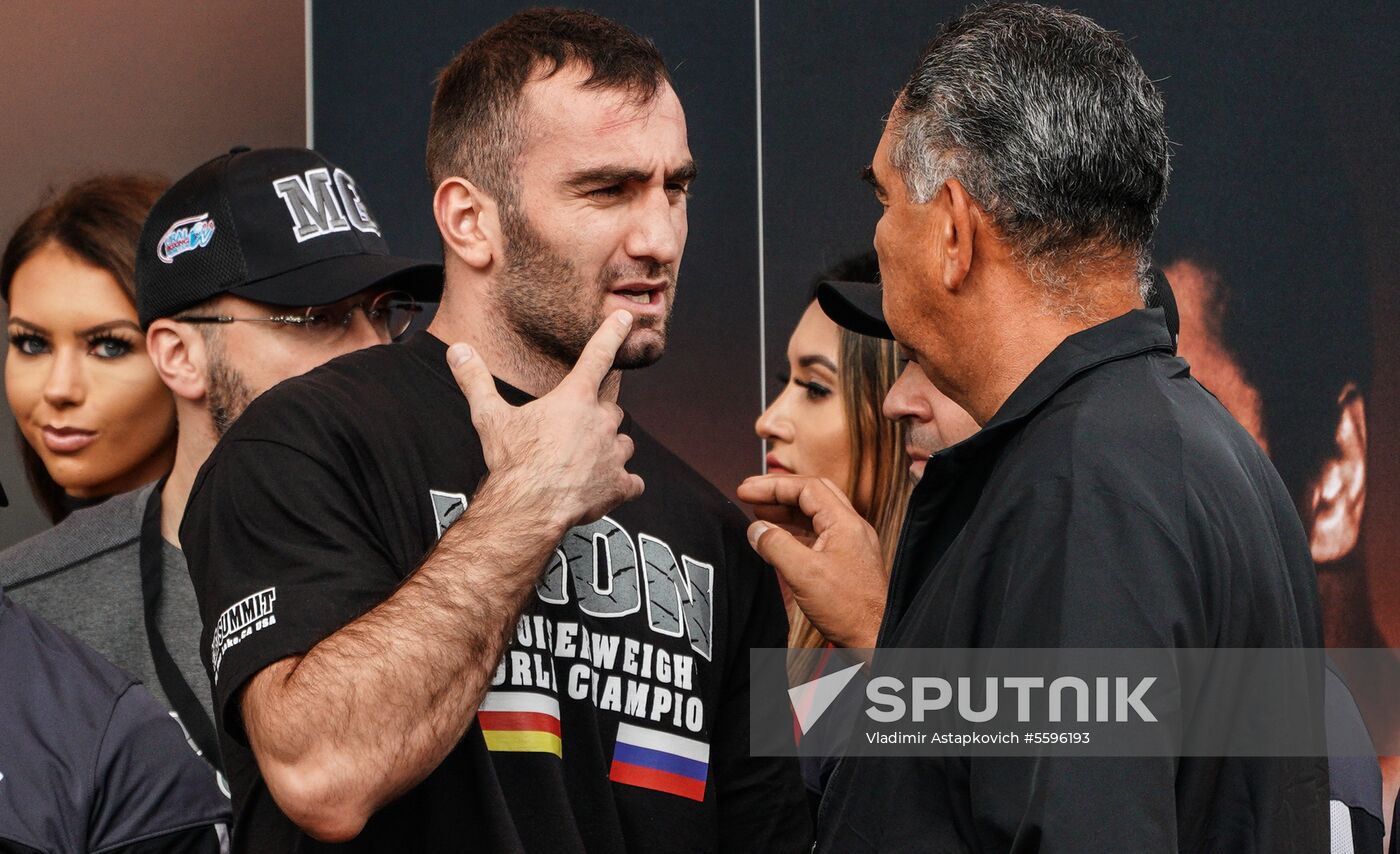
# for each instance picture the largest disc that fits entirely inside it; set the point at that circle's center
(618, 718)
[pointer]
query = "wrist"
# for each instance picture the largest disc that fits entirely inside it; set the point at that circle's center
(510, 500)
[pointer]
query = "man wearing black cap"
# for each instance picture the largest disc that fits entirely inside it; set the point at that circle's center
(433, 623)
(255, 267)
(89, 760)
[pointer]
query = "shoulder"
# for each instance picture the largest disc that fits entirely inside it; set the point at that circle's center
(85, 535)
(333, 411)
(62, 678)
(330, 394)
(1138, 426)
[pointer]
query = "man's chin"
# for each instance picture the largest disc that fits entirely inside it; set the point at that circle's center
(642, 349)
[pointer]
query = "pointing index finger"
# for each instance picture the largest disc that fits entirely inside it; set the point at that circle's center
(598, 355)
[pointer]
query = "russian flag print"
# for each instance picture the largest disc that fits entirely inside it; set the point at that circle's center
(661, 761)
(520, 722)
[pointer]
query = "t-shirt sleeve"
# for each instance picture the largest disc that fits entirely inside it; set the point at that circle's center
(283, 552)
(1086, 568)
(762, 799)
(152, 792)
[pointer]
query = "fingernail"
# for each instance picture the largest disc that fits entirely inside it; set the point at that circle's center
(757, 530)
(623, 316)
(458, 354)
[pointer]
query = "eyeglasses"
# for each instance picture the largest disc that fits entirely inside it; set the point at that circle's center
(390, 314)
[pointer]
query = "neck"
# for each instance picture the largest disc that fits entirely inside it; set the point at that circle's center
(1011, 335)
(196, 442)
(474, 320)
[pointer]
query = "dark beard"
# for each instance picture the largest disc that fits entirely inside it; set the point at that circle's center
(228, 394)
(542, 298)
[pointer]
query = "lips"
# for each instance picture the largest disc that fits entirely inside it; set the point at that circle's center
(641, 297)
(775, 467)
(67, 440)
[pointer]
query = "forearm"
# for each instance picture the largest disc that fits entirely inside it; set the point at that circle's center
(369, 711)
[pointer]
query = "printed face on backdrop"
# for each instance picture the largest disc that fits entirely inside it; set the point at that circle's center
(1336, 498)
(932, 420)
(84, 393)
(247, 359)
(805, 426)
(601, 217)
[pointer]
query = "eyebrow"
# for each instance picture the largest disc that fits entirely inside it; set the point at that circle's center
(105, 327)
(81, 333)
(34, 326)
(868, 176)
(809, 361)
(609, 175)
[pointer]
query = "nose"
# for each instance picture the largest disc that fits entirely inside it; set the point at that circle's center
(773, 425)
(658, 228)
(903, 400)
(66, 384)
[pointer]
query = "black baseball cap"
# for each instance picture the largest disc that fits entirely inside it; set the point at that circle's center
(282, 226)
(856, 306)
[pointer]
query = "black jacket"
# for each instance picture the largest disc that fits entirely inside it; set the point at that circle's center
(89, 761)
(1110, 502)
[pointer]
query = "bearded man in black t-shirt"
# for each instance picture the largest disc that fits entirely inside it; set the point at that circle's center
(439, 611)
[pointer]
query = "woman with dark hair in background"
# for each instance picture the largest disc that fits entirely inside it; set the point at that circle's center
(94, 419)
(826, 422)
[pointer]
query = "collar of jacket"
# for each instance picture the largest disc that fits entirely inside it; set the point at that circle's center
(1140, 331)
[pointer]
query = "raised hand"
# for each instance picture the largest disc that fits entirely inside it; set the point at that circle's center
(560, 455)
(833, 564)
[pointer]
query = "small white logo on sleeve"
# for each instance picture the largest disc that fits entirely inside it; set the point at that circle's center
(248, 615)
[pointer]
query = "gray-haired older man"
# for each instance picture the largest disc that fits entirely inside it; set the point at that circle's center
(1108, 501)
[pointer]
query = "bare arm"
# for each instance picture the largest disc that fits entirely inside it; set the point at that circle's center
(372, 709)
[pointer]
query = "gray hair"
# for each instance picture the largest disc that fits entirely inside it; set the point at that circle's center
(1051, 125)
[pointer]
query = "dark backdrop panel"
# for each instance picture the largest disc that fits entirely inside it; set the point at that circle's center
(374, 66)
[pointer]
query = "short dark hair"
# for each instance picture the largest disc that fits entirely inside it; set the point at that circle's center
(476, 128)
(98, 220)
(1049, 122)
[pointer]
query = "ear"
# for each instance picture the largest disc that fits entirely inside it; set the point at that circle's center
(1339, 496)
(955, 231)
(180, 356)
(468, 221)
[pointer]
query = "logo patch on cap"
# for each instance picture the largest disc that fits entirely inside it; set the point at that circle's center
(184, 236)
